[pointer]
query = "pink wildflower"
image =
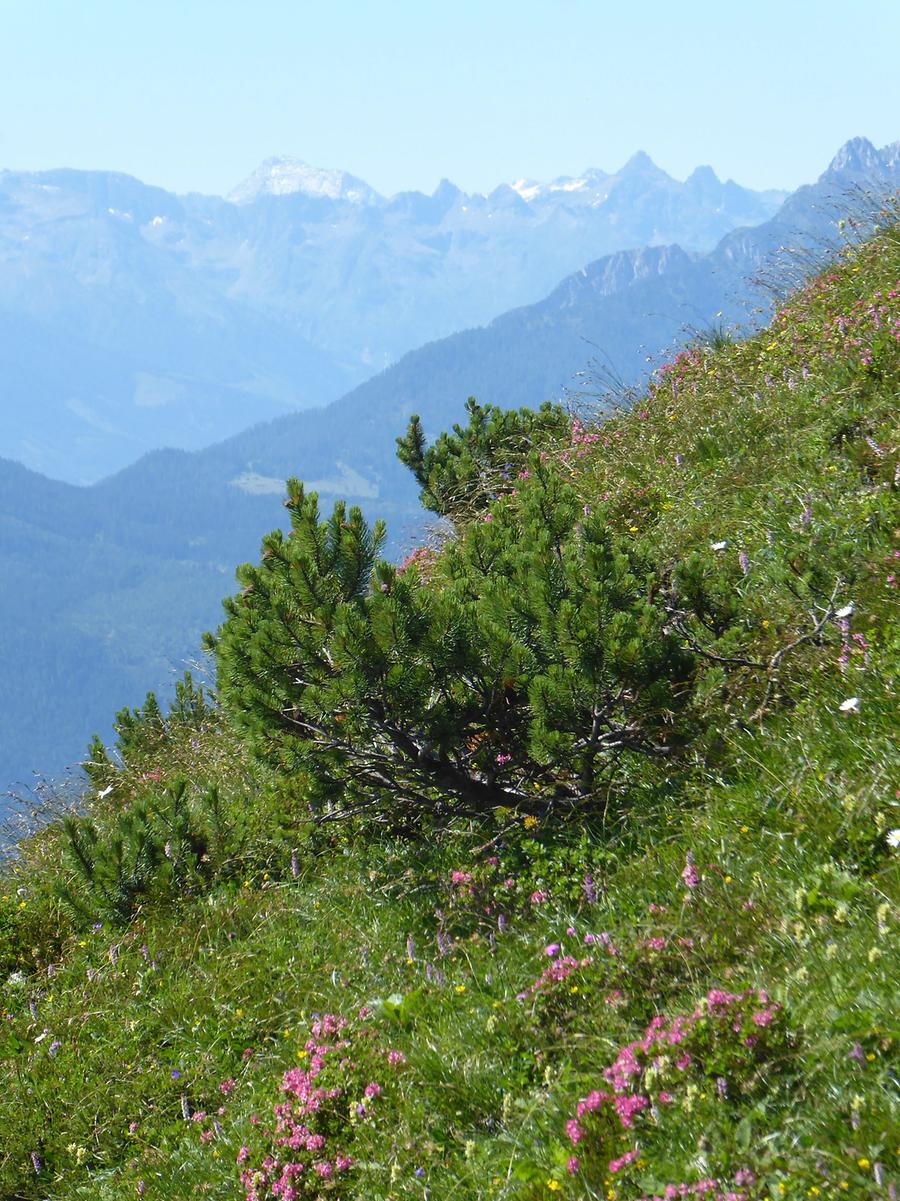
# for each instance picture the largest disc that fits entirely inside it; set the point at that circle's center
(627, 1107)
(575, 1131)
(690, 875)
(616, 1165)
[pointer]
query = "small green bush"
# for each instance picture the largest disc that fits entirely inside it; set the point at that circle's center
(522, 675)
(468, 468)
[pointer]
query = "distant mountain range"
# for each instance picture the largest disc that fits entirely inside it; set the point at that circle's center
(107, 588)
(131, 318)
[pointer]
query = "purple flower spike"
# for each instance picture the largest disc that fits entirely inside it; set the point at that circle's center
(690, 875)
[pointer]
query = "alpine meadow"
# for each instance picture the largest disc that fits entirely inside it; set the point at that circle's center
(558, 859)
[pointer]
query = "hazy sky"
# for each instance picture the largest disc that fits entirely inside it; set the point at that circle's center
(192, 94)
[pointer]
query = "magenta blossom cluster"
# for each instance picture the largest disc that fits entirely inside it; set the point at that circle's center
(872, 319)
(423, 558)
(324, 1103)
(462, 883)
(672, 375)
(728, 1028)
(560, 969)
(708, 1190)
(582, 439)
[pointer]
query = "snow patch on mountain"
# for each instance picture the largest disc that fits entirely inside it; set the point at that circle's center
(290, 176)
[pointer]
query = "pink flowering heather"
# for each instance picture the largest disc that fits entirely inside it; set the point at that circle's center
(560, 969)
(423, 558)
(645, 1077)
(616, 1165)
(307, 1145)
(575, 1131)
(705, 1190)
(462, 883)
(605, 941)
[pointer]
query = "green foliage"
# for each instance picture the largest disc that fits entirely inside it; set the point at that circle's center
(160, 848)
(467, 469)
(140, 730)
(520, 676)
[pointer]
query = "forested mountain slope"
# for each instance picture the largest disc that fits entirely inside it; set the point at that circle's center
(131, 318)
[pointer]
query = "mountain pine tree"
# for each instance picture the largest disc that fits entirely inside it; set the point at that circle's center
(468, 468)
(519, 674)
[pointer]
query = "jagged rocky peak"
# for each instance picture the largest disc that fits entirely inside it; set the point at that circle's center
(287, 176)
(856, 155)
(447, 191)
(641, 163)
(703, 179)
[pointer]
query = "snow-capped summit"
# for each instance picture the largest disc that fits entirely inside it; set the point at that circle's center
(288, 176)
(593, 186)
(582, 185)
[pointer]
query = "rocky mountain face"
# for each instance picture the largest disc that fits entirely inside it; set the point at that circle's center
(107, 588)
(131, 318)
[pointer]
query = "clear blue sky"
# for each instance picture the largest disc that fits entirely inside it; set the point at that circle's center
(192, 94)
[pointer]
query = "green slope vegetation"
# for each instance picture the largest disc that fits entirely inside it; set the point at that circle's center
(293, 954)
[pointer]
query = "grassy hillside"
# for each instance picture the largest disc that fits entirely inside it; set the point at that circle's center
(686, 989)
